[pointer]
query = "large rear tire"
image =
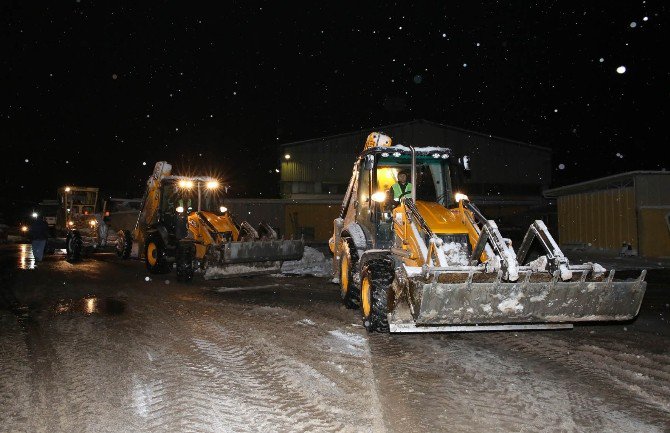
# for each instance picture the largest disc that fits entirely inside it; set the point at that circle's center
(376, 279)
(154, 256)
(349, 292)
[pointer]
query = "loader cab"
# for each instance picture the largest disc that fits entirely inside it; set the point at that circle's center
(182, 197)
(378, 171)
(76, 204)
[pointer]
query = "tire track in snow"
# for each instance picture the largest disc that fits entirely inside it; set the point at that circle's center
(597, 368)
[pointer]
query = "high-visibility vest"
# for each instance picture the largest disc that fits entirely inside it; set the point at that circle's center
(397, 190)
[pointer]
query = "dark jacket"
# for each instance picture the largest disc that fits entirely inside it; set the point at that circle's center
(39, 230)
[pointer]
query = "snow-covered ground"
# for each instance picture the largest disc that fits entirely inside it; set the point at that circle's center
(313, 262)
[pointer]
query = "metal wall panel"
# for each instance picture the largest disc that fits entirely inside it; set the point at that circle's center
(654, 231)
(599, 219)
(313, 221)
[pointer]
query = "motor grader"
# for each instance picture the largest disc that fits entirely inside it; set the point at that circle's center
(79, 226)
(432, 262)
(184, 224)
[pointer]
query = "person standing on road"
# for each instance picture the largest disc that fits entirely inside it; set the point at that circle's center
(39, 233)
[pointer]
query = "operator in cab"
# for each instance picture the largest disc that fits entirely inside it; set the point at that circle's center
(402, 188)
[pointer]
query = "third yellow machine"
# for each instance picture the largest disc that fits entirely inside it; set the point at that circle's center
(432, 261)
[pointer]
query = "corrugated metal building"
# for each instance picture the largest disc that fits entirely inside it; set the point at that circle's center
(507, 176)
(308, 218)
(612, 212)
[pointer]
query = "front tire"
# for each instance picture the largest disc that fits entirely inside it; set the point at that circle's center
(349, 292)
(154, 256)
(124, 244)
(376, 279)
(185, 258)
(73, 246)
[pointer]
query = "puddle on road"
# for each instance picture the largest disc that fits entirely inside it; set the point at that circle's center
(26, 258)
(91, 305)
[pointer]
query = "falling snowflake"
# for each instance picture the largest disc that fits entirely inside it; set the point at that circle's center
(465, 65)
(144, 163)
(619, 155)
(114, 76)
(633, 25)
(601, 60)
(26, 160)
(555, 110)
(621, 69)
(645, 19)
(444, 35)
(561, 166)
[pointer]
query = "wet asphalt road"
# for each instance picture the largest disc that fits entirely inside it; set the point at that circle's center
(95, 347)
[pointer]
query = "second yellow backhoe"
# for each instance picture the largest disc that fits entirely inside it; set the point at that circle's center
(184, 224)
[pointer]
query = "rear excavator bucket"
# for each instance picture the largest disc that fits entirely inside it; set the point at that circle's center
(547, 293)
(249, 258)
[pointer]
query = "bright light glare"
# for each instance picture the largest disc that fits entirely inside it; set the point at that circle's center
(379, 197)
(67, 189)
(458, 197)
(93, 222)
(180, 209)
(24, 228)
(70, 223)
(223, 209)
(188, 184)
(212, 184)
(287, 156)
(34, 214)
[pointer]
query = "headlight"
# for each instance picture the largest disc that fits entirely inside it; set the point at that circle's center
(458, 197)
(379, 197)
(188, 184)
(212, 184)
(93, 223)
(34, 214)
(24, 228)
(70, 223)
(180, 209)
(223, 209)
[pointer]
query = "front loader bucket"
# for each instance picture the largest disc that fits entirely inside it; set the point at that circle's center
(538, 298)
(248, 258)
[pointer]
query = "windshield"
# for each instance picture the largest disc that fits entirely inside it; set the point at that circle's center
(432, 177)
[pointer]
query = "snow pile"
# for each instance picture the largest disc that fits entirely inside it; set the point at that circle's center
(313, 262)
(456, 253)
(539, 264)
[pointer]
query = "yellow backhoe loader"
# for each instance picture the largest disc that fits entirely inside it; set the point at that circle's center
(183, 223)
(436, 264)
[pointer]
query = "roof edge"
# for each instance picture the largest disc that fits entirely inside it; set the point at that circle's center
(578, 187)
(381, 127)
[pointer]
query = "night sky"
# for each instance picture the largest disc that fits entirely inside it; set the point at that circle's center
(93, 91)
